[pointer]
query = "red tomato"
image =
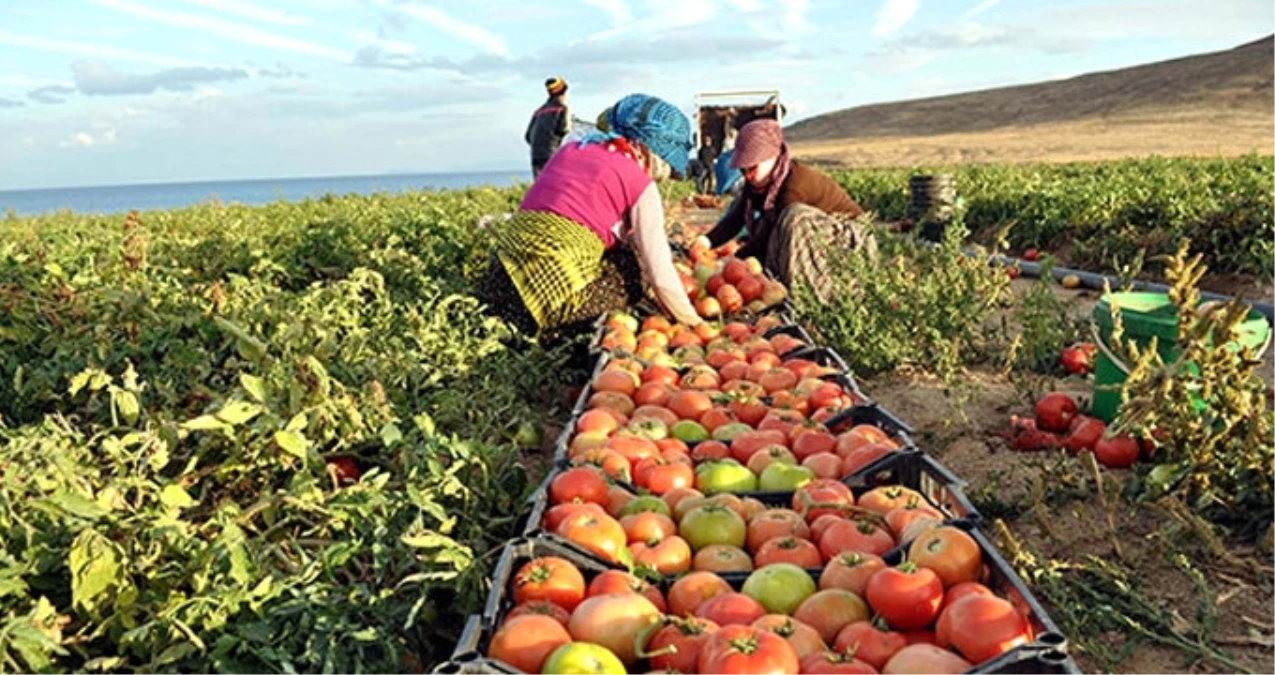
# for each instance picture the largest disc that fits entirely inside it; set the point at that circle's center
(691, 590)
(870, 643)
(526, 641)
(813, 442)
(1054, 412)
(804, 639)
(582, 483)
(722, 558)
(951, 553)
(613, 620)
(669, 555)
(647, 525)
(733, 608)
(833, 662)
(982, 627)
(619, 581)
(544, 607)
(907, 596)
(925, 658)
(344, 470)
(1085, 433)
(554, 515)
(774, 523)
(676, 646)
(800, 552)
(865, 536)
(1078, 358)
(744, 649)
(886, 498)
(549, 578)
(830, 610)
(1118, 452)
(850, 571)
(821, 496)
(1031, 255)
(598, 533)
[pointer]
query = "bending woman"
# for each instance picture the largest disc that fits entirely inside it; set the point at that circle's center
(592, 227)
(791, 211)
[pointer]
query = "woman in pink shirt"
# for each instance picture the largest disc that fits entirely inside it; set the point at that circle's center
(590, 229)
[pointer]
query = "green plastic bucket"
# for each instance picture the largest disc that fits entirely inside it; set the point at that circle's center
(1147, 316)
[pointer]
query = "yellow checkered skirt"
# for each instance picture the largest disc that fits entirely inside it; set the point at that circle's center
(551, 261)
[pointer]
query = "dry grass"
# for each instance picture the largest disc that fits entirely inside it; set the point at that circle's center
(1181, 134)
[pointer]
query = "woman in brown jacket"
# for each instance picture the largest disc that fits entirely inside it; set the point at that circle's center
(792, 212)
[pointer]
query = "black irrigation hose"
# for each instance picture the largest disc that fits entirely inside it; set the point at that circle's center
(1097, 281)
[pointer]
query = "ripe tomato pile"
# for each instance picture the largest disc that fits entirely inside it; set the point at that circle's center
(717, 505)
(1059, 425)
(930, 613)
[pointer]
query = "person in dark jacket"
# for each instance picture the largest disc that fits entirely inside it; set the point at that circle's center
(792, 212)
(549, 125)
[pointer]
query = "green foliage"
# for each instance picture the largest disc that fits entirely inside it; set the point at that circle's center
(1042, 327)
(170, 392)
(1208, 410)
(915, 304)
(1099, 211)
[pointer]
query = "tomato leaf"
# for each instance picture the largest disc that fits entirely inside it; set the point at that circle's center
(292, 442)
(95, 568)
(235, 413)
(255, 386)
(205, 423)
(175, 497)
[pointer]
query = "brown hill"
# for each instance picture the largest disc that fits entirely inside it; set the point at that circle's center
(1210, 104)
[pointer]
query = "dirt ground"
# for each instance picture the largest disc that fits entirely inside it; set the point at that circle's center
(961, 429)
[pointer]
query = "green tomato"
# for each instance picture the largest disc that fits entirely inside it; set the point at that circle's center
(645, 503)
(724, 475)
(582, 658)
(689, 431)
(782, 477)
(727, 432)
(779, 587)
(711, 524)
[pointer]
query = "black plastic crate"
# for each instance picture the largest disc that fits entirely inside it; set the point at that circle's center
(1045, 654)
(870, 413)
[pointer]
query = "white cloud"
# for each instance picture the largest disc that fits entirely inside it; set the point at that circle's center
(85, 139)
(893, 15)
(980, 8)
(250, 11)
(75, 48)
(474, 34)
(794, 19)
(667, 15)
(746, 6)
(617, 10)
(229, 30)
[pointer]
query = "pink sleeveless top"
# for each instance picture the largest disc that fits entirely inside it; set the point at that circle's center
(592, 185)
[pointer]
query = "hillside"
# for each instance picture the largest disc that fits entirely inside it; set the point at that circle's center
(1210, 104)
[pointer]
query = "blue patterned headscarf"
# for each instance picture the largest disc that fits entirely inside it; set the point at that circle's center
(653, 122)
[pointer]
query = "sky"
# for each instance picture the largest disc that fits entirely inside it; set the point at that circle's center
(106, 92)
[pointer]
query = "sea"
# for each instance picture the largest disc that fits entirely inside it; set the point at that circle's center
(111, 199)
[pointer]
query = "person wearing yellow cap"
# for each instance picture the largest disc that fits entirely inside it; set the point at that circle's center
(549, 124)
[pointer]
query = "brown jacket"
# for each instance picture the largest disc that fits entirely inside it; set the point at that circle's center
(804, 185)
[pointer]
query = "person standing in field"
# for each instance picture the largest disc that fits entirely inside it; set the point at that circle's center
(590, 230)
(792, 212)
(549, 124)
